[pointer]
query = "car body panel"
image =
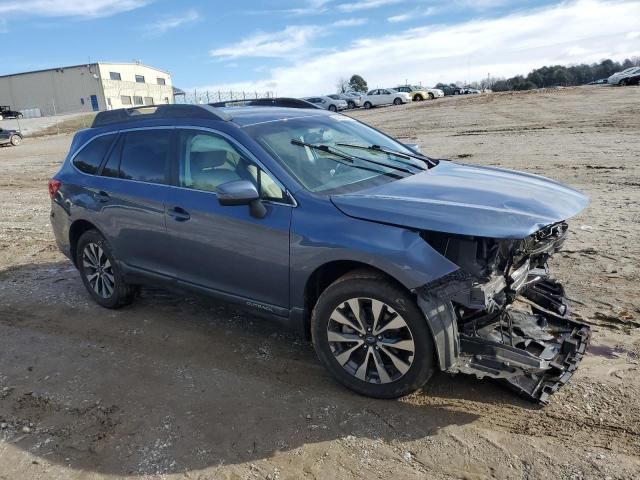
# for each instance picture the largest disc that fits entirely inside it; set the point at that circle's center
(327, 103)
(467, 200)
(626, 74)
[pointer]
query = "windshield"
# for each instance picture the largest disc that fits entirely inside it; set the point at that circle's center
(322, 171)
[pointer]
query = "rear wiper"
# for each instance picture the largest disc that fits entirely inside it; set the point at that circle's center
(350, 158)
(344, 158)
(378, 148)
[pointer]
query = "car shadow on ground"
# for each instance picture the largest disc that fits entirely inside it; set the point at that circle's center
(175, 384)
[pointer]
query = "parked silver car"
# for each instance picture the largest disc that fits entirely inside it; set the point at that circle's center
(385, 96)
(354, 100)
(328, 103)
(629, 76)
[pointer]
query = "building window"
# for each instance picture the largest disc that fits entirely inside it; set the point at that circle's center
(148, 100)
(139, 78)
(125, 99)
(115, 76)
(161, 81)
(82, 101)
(137, 100)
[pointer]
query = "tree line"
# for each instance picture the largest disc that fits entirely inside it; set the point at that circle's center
(558, 75)
(547, 76)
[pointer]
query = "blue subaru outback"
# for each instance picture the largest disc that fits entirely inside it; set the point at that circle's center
(393, 263)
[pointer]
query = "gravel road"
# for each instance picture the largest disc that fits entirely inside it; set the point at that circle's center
(177, 387)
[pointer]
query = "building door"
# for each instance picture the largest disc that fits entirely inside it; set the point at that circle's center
(94, 103)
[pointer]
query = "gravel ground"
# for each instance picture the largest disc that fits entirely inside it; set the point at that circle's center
(177, 387)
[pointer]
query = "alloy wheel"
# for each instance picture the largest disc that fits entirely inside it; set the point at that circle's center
(370, 340)
(98, 270)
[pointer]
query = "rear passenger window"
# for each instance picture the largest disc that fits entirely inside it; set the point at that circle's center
(144, 156)
(88, 160)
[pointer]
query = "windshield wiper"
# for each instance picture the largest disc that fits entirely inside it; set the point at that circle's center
(378, 148)
(346, 159)
(350, 158)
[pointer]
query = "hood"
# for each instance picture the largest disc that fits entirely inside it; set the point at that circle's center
(466, 200)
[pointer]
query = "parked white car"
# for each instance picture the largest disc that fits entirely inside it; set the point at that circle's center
(625, 77)
(384, 96)
(328, 103)
(353, 101)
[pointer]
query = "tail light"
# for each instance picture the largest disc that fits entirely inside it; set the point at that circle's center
(54, 186)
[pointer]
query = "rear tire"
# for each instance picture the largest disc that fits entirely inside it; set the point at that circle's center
(431, 96)
(19, 117)
(363, 359)
(15, 140)
(100, 272)
(397, 101)
(367, 105)
(351, 105)
(623, 82)
(418, 98)
(333, 108)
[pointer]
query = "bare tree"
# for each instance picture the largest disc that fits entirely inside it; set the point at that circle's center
(342, 85)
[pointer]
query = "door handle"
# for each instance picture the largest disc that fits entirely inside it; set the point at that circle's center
(179, 214)
(101, 196)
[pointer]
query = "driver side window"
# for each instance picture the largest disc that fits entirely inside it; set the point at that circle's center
(207, 160)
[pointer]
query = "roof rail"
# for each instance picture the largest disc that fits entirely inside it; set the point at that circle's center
(123, 115)
(286, 102)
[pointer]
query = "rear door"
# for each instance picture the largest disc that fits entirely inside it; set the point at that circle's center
(224, 249)
(133, 192)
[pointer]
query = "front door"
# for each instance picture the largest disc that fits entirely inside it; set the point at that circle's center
(225, 249)
(94, 103)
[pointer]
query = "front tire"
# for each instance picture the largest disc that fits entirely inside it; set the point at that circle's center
(19, 117)
(370, 334)
(351, 105)
(15, 140)
(431, 96)
(623, 82)
(397, 101)
(100, 272)
(418, 98)
(333, 108)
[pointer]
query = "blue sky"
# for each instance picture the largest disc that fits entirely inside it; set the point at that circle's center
(302, 47)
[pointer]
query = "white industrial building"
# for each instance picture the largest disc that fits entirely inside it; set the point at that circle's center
(89, 87)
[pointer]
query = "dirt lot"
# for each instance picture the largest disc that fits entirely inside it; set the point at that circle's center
(188, 388)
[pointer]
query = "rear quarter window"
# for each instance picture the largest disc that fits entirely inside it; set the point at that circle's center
(88, 159)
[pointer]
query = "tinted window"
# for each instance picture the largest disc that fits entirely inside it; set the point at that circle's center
(139, 78)
(208, 160)
(88, 160)
(144, 156)
(115, 76)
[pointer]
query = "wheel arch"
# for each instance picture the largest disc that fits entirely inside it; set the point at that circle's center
(76, 230)
(327, 273)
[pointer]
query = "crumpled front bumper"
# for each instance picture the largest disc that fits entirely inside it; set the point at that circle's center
(534, 350)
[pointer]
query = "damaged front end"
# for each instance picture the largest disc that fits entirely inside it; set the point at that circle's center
(501, 315)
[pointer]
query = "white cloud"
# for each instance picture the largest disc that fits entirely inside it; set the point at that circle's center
(399, 18)
(171, 22)
(574, 32)
(365, 5)
(284, 43)
(69, 8)
(350, 22)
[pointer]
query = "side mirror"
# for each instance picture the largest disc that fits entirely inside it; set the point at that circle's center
(241, 192)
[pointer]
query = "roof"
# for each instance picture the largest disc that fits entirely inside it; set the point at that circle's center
(168, 114)
(245, 116)
(83, 65)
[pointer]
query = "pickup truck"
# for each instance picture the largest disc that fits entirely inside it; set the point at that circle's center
(6, 112)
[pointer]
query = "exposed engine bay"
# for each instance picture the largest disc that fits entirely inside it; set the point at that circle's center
(501, 315)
